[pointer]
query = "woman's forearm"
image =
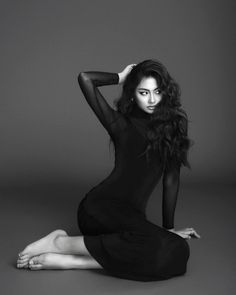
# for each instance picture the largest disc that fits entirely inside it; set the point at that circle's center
(98, 78)
(169, 202)
(170, 194)
(122, 77)
(89, 82)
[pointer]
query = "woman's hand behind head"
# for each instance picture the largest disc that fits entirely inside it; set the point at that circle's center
(123, 74)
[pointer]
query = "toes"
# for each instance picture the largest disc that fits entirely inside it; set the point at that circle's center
(26, 265)
(35, 266)
(22, 265)
(23, 253)
(22, 260)
(33, 261)
(18, 266)
(23, 256)
(36, 260)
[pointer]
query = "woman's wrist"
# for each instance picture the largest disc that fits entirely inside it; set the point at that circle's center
(121, 78)
(171, 229)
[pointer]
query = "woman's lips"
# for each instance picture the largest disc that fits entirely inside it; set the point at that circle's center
(151, 107)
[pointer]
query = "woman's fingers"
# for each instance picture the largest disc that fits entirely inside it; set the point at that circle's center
(125, 72)
(188, 233)
(188, 237)
(183, 234)
(191, 231)
(195, 234)
(130, 67)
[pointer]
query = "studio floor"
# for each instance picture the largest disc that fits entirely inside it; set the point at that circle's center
(27, 214)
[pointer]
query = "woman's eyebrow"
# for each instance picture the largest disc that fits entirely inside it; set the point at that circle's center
(147, 89)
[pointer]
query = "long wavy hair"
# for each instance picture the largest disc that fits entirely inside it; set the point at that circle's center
(168, 127)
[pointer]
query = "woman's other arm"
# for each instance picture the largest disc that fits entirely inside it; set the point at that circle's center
(171, 180)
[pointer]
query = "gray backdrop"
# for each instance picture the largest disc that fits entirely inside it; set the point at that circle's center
(48, 132)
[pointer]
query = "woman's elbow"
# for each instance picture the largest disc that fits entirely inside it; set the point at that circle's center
(171, 181)
(81, 77)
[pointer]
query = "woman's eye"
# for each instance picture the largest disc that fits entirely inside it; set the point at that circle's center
(143, 92)
(158, 91)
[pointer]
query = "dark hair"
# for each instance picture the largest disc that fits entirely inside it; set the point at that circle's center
(168, 127)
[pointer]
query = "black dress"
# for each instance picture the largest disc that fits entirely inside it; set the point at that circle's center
(112, 215)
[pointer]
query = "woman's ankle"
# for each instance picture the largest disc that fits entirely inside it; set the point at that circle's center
(60, 244)
(71, 245)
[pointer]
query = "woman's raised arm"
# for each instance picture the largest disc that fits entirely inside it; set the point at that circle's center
(89, 81)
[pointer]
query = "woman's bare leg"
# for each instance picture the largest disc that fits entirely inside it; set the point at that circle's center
(56, 242)
(61, 261)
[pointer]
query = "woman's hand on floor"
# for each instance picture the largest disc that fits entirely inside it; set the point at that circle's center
(186, 233)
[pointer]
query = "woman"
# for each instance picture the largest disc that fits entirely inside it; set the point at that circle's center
(149, 133)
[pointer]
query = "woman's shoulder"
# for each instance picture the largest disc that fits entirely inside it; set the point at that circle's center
(120, 122)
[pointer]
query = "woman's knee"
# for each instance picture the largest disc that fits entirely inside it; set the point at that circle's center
(180, 250)
(171, 259)
(183, 248)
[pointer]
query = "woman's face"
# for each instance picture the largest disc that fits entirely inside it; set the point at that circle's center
(147, 94)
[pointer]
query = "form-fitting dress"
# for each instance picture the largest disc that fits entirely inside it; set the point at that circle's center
(112, 215)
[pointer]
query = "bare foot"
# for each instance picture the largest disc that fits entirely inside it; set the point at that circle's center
(61, 261)
(52, 261)
(44, 245)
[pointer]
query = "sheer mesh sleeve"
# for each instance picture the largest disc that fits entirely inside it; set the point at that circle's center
(171, 178)
(89, 81)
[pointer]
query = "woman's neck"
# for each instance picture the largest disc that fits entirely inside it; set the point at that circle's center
(138, 113)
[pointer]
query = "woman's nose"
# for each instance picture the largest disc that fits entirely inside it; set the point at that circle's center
(151, 98)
